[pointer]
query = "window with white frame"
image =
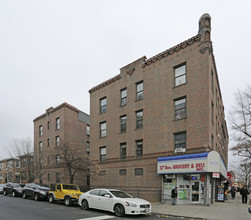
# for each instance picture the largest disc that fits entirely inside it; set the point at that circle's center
(57, 141)
(88, 130)
(123, 123)
(17, 164)
(103, 105)
(88, 147)
(180, 108)
(103, 129)
(40, 130)
(180, 75)
(139, 148)
(40, 145)
(123, 151)
(139, 119)
(180, 141)
(123, 97)
(57, 159)
(57, 123)
(102, 153)
(139, 90)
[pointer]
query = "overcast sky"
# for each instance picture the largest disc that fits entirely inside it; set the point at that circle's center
(55, 51)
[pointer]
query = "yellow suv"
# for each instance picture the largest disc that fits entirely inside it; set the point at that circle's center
(69, 193)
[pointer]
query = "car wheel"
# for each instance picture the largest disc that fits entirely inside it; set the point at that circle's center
(119, 210)
(67, 201)
(36, 197)
(51, 198)
(4, 193)
(13, 193)
(85, 204)
(24, 195)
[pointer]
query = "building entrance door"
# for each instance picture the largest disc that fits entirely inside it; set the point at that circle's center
(195, 191)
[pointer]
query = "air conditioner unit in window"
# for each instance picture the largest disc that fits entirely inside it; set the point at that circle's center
(180, 150)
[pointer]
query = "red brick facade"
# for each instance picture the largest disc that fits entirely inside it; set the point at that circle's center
(65, 124)
(204, 121)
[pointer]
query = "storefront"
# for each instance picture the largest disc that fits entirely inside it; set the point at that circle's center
(195, 175)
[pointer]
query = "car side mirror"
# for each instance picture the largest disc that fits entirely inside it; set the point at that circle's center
(107, 196)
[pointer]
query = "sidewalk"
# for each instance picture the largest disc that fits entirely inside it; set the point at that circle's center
(231, 209)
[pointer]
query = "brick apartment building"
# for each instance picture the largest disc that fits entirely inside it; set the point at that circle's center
(157, 114)
(10, 170)
(61, 137)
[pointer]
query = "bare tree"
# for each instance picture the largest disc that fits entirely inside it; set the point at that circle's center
(240, 121)
(242, 169)
(23, 150)
(72, 156)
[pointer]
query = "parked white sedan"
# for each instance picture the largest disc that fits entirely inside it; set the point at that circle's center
(115, 201)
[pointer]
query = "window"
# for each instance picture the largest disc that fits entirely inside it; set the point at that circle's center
(123, 151)
(48, 177)
(139, 148)
(57, 177)
(17, 176)
(123, 97)
(48, 125)
(9, 175)
(138, 172)
(139, 90)
(180, 142)
(212, 80)
(103, 129)
(122, 172)
(102, 153)
(1, 165)
(102, 105)
(88, 147)
(48, 142)
(40, 162)
(40, 130)
(24, 175)
(40, 178)
(212, 112)
(88, 130)
(57, 141)
(57, 159)
(17, 164)
(9, 164)
(1, 176)
(180, 75)
(180, 108)
(57, 123)
(123, 123)
(40, 146)
(139, 119)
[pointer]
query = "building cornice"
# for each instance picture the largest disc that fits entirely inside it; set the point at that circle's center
(63, 105)
(106, 83)
(172, 50)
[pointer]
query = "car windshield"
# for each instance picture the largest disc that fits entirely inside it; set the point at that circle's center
(121, 194)
(70, 187)
(16, 185)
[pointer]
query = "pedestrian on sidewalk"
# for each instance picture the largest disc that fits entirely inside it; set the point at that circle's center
(174, 195)
(233, 191)
(244, 194)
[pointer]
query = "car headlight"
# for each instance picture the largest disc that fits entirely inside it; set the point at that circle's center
(131, 204)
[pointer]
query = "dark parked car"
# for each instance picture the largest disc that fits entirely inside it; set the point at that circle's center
(15, 189)
(1, 187)
(35, 190)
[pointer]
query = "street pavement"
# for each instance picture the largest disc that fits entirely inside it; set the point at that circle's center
(231, 209)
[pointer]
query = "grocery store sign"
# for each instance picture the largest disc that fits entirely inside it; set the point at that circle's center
(202, 162)
(182, 166)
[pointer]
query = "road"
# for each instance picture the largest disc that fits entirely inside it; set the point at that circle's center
(23, 209)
